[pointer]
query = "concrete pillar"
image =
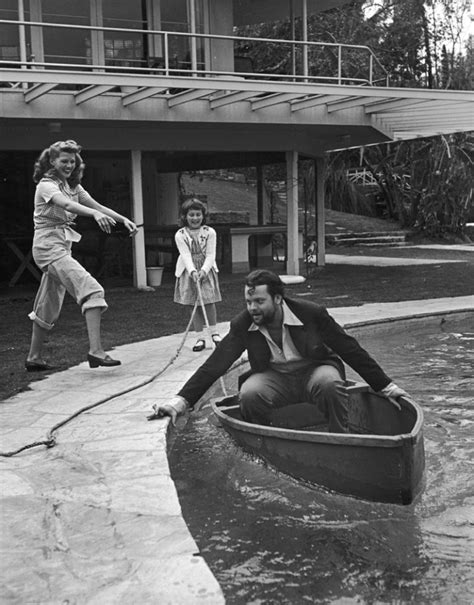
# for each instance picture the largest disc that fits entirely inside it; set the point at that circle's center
(292, 263)
(260, 196)
(320, 212)
(36, 33)
(139, 268)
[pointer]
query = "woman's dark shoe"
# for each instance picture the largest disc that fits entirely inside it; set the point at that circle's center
(199, 346)
(37, 366)
(216, 339)
(107, 362)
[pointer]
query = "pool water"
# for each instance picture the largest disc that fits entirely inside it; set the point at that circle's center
(270, 539)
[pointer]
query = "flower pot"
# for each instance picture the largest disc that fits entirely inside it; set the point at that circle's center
(154, 275)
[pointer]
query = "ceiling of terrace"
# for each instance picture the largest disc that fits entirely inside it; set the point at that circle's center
(395, 113)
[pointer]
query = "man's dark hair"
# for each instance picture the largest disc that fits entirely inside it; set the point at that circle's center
(262, 277)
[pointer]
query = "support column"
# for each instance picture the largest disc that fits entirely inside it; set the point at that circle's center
(97, 36)
(37, 45)
(320, 212)
(292, 262)
(22, 40)
(260, 196)
(139, 262)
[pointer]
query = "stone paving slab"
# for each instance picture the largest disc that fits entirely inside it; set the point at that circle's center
(97, 519)
(370, 312)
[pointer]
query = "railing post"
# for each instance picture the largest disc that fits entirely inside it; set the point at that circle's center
(166, 53)
(192, 8)
(339, 64)
(371, 69)
(293, 37)
(305, 38)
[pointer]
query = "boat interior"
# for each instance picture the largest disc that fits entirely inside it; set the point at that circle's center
(369, 414)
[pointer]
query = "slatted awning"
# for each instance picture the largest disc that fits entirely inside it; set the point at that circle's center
(396, 113)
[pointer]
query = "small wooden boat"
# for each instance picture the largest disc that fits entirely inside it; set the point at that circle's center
(380, 459)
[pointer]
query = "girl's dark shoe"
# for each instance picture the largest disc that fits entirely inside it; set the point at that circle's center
(199, 346)
(107, 362)
(37, 366)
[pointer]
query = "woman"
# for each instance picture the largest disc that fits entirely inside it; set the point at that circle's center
(196, 243)
(59, 198)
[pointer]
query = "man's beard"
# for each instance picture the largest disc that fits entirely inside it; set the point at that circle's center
(263, 319)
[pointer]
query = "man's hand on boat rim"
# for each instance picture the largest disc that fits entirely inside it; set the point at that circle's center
(393, 392)
(173, 408)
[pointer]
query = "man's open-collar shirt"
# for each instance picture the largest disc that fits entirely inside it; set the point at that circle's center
(287, 359)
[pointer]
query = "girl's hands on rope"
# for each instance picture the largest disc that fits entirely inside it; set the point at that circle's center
(173, 408)
(198, 276)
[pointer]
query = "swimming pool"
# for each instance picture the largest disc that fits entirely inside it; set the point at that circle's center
(270, 539)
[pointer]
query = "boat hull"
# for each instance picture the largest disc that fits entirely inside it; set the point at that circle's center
(381, 459)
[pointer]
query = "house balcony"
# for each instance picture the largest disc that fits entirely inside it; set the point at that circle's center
(338, 95)
(163, 76)
(127, 51)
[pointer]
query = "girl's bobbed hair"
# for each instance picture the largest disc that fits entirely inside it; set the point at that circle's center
(192, 204)
(43, 163)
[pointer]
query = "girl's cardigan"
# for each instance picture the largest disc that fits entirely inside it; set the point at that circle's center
(206, 239)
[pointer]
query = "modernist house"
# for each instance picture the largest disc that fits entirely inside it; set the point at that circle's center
(157, 87)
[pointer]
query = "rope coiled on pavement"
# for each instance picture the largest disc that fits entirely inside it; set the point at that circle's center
(50, 439)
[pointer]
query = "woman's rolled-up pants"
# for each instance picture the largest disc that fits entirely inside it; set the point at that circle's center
(65, 275)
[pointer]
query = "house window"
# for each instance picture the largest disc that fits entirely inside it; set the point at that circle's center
(124, 49)
(66, 45)
(10, 34)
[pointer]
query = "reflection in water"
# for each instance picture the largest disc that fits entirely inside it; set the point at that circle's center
(270, 539)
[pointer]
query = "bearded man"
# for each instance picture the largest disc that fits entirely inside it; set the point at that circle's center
(296, 352)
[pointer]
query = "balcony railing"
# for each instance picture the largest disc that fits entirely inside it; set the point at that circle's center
(169, 53)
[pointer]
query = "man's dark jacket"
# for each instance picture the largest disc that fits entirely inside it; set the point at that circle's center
(320, 339)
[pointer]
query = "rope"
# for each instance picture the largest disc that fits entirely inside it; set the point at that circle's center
(50, 440)
(206, 321)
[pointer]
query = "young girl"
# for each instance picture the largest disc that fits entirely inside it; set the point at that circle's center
(196, 244)
(59, 198)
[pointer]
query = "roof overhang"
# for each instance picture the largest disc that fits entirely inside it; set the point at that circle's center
(341, 115)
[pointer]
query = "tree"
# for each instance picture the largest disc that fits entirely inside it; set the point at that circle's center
(427, 184)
